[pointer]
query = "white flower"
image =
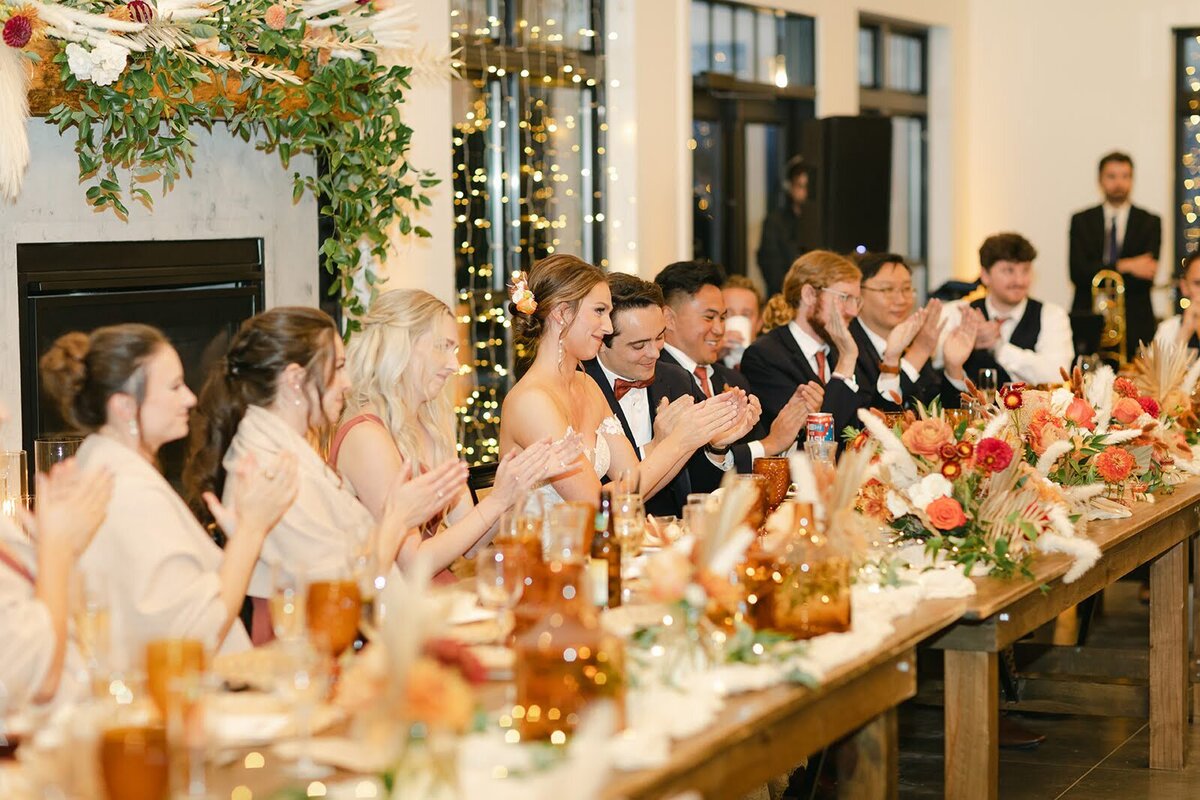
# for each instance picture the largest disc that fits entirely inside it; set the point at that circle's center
(695, 596)
(928, 489)
(1059, 400)
(896, 504)
(101, 65)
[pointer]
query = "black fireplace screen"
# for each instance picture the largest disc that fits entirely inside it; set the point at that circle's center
(197, 292)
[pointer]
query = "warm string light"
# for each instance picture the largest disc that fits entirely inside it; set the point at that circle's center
(538, 173)
(1189, 194)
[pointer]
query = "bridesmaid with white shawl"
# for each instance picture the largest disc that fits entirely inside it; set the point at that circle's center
(165, 577)
(39, 661)
(282, 383)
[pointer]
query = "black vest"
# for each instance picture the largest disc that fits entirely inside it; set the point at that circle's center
(1025, 336)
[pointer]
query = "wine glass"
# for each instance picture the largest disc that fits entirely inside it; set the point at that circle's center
(371, 579)
(287, 604)
(168, 660)
(332, 610)
(693, 518)
(90, 613)
(566, 532)
(988, 381)
(629, 481)
(499, 583)
(778, 474)
(303, 688)
(629, 523)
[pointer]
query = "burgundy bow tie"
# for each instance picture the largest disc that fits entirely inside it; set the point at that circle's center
(622, 386)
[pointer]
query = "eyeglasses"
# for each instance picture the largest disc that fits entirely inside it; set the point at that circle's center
(891, 291)
(854, 301)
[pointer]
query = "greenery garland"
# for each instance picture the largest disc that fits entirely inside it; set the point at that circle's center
(290, 86)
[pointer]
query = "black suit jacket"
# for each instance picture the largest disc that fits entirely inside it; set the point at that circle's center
(670, 382)
(930, 383)
(722, 378)
(1143, 234)
(775, 365)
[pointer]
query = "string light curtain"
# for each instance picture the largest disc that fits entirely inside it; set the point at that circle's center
(1187, 165)
(528, 142)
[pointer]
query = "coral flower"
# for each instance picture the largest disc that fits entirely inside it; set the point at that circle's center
(1149, 405)
(948, 451)
(945, 514)
(1114, 464)
(1126, 410)
(1081, 413)
(1125, 388)
(993, 454)
(951, 470)
(1012, 397)
(925, 437)
(437, 696)
(275, 17)
(965, 449)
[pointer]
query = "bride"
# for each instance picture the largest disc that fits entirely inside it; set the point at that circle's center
(560, 314)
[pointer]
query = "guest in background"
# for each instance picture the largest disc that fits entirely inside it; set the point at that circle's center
(281, 382)
(695, 317)
(1185, 328)
(39, 661)
(1117, 235)
(902, 370)
(561, 313)
(822, 291)
(164, 575)
(638, 387)
(399, 420)
(1024, 339)
(743, 321)
(782, 242)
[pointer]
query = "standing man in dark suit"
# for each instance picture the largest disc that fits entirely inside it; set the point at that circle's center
(1118, 235)
(823, 290)
(781, 241)
(695, 317)
(640, 390)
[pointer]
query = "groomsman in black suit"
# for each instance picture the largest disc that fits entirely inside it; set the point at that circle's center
(640, 389)
(896, 345)
(823, 292)
(695, 316)
(1118, 235)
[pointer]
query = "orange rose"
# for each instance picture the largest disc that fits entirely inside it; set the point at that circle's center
(1044, 430)
(1126, 410)
(1081, 413)
(925, 437)
(945, 514)
(437, 696)
(668, 572)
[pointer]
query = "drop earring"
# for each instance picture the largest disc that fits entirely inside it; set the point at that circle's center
(560, 352)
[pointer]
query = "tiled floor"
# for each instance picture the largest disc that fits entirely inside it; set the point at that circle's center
(1083, 758)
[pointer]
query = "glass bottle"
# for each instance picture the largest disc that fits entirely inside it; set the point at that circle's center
(565, 662)
(812, 595)
(604, 567)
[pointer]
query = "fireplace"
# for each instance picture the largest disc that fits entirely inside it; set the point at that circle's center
(196, 291)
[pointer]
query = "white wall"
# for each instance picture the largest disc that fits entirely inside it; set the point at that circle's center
(234, 191)
(1053, 87)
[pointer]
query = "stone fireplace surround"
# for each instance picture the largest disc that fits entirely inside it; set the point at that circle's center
(234, 191)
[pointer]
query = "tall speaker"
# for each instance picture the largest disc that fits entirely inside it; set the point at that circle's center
(850, 185)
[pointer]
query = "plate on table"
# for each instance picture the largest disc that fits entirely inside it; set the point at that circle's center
(465, 608)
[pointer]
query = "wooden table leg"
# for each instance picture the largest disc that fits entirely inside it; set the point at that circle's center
(873, 770)
(1195, 662)
(972, 725)
(1168, 658)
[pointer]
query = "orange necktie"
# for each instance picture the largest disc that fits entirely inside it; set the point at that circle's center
(702, 376)
(821, 365)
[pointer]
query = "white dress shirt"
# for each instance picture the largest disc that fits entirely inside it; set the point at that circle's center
(1055, 345)
(810, 346)
(159, 566)
(1121, 215)
(889, 385)
(756, 448)
(635, 405)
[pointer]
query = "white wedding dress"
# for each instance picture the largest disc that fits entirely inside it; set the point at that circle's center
(600, 458)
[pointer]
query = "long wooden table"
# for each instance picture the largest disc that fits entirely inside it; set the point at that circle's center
(1003, 611)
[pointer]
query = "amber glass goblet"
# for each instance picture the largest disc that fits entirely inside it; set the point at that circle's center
(332, 612)
(169, 660)
(134, 763)
(778, 474)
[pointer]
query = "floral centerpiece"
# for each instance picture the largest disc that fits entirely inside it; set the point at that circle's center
(968, 495)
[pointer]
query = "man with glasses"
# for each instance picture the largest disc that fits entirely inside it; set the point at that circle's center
(822, 289)
(1023, 339)
(1185, 328)
(896, 344)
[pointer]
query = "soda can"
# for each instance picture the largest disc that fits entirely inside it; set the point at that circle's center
(820, 426)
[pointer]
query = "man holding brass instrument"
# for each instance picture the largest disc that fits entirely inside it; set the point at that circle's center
(1117, 235)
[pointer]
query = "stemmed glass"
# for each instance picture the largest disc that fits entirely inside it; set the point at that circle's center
(287, 604)
(306, 685)
(499, 584)
(371, 579)
(90, 613)
(629, 523)
(988, 381)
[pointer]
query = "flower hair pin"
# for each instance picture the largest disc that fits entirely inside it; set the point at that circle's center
(518, 292)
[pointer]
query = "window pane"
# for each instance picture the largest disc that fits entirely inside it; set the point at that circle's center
(866, 56)
(700, 37)
(1189, 81)
(722, 39)
(908, 187)
(764, 175)
(475, 21)
(707, 190)
(768, 46)
(797, 48)
(556, 23)
(745, 28)
(904, 62)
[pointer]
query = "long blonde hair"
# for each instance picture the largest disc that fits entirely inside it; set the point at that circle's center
(819, 269)
(379, 361)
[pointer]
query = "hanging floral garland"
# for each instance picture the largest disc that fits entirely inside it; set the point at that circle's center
(134, 79)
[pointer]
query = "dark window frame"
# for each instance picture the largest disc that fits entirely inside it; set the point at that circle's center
(1187, 104)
